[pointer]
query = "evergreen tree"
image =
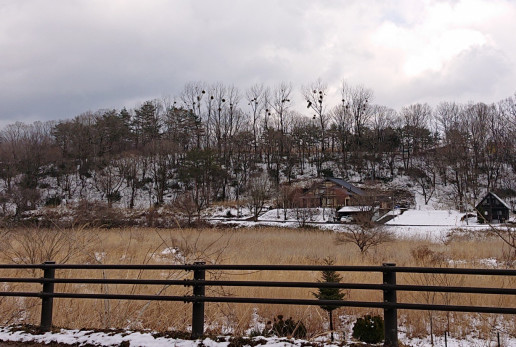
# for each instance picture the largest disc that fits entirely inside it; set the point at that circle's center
(146, 123)
(325, 293)
(125, 119)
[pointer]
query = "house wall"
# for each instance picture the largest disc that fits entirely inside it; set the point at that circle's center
(492, 210)
(325, 194)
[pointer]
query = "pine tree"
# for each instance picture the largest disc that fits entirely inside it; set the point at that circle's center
(146, 123)
(325, 293)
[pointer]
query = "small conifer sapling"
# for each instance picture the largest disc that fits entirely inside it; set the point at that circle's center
(325, 293)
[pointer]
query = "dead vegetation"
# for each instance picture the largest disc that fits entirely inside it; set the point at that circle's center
(234, 246)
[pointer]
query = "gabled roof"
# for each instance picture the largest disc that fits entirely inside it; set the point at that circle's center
(496, 197)
(351, 188)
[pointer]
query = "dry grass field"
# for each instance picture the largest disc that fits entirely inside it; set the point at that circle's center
(242, 246)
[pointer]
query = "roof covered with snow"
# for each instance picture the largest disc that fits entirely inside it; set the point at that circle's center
(497, 198)
(355, 209)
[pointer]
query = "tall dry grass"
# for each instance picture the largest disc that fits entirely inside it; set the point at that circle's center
(240, 246)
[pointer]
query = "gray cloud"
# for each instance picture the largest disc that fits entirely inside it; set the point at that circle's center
(475, 75)
(61, 58)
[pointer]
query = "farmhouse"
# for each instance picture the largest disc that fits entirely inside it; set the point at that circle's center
(331, 192)
(492, 209)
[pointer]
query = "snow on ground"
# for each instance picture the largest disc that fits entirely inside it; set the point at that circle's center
(318, 215)
(428, 233)
(430, 218)
(171, 255)
(132, 338)
(432, 225)
(425, 224)
(116, 338)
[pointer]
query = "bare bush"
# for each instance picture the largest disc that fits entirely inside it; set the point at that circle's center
(185, 206)
(508, 236)
(180, 246)
(365, 236)
(98, 214)
(35, 246)
(304, 215)
(424, 256)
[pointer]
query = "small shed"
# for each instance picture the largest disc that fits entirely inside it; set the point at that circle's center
(352, 212)
(492, 209)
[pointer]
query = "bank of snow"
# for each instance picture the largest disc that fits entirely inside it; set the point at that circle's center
(432, 225)
(430, 218)
(131, 338)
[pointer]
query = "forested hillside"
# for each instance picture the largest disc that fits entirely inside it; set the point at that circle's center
(215, 142)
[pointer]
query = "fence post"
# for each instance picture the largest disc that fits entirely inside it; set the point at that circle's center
(47, 301)
(198, 307)
(390, 315)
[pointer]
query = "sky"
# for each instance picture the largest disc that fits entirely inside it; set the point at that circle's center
(61, 58)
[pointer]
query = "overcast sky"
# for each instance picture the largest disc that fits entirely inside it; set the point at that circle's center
(61, 58)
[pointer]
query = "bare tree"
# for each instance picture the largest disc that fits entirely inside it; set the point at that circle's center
(507, 109)
(424, 173)
(185, 205)
(256, 97)
(477, 118)
(133, 169)
(218, 98)
(448, 116)
(364, 236)
(382, 141)
(365, 233)
(343, 125)
(234, 116)
(258, 192)
(315, 96)
(287, 198)
(280, 104)
(356, 101)
(108, 181)
(192, 96)
(415, 133)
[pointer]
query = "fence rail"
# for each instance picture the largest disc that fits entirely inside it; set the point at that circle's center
(389, 287)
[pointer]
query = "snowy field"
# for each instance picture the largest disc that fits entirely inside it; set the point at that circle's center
(430, 218)
(425, 224)
(432, 225)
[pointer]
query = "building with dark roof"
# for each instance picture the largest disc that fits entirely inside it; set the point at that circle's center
(492, 209)
(331, 192)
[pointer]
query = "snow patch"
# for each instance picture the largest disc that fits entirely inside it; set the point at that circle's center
(99, 256)
(429, 218)
(135, 338)
(171, 254)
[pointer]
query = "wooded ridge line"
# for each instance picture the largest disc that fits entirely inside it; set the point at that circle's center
(216, 143)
